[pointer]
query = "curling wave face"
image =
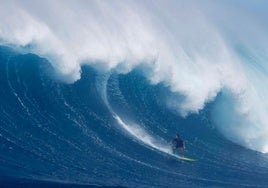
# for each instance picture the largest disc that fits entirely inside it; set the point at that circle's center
(195, 48)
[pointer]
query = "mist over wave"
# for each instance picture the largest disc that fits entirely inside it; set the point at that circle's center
(198, 49)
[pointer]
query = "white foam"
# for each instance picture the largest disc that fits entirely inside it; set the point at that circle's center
(141, 135)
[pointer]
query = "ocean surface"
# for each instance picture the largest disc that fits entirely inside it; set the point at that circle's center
(92, 92)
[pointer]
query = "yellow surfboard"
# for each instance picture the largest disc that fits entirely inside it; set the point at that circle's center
(186, 159)
(182, 158)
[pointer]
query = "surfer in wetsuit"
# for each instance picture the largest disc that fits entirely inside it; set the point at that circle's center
(176, 143)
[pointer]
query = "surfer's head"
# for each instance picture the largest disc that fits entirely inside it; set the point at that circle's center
(177, 136)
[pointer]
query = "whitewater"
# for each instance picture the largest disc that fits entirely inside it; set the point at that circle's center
(91, 92)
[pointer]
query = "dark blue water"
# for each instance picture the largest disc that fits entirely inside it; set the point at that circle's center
(58, 134)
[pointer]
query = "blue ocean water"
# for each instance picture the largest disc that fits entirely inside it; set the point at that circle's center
(108, 130)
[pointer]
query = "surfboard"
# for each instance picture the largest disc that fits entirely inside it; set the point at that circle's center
(186, 159)
(182, 158)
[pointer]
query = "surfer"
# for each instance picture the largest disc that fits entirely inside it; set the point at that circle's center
(176, 143)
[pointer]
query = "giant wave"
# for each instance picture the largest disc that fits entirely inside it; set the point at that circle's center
(133, 71)
(109, 129)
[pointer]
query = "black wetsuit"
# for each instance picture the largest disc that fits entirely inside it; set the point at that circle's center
(178, 143)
